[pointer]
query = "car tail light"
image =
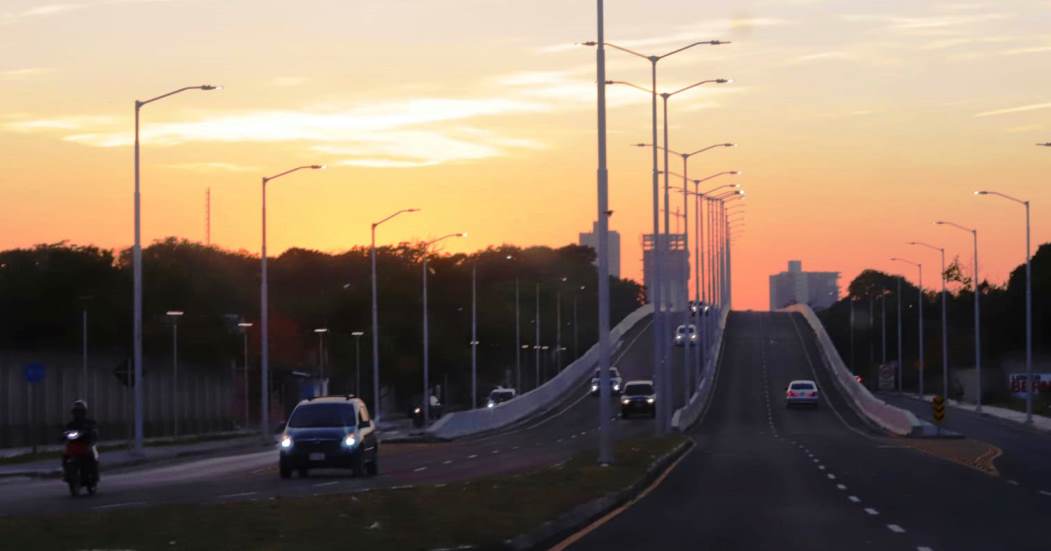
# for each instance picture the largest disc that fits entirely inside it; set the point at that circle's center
(791, 394)
(813, 394)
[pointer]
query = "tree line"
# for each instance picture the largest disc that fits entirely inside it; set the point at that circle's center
(45, 289)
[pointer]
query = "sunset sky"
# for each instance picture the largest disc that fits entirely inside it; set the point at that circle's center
(859, 123)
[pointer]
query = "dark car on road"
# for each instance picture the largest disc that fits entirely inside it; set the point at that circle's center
(638, 398)
(329, 432)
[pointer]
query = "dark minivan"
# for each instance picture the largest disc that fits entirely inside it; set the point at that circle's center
(329, 432)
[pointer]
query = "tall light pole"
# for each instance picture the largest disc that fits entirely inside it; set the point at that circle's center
(536, 340)
(264, 313)
(900, 346)
(474, 335)
(376, 319)
(576, 333)
(357, 361)
(558, 324)
(174, 316)
(660, 333)
(136, 264)
(518, 335)
(665, 407)
(426, 330)
(919, 300)
(1028, 305)
(945, 319)
(321, 332)
(977, 312)
(244, 325)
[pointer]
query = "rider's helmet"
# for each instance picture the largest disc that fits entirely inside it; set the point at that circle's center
(80, 407)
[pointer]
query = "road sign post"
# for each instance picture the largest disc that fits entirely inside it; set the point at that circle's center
(34, 373)
(938, 409)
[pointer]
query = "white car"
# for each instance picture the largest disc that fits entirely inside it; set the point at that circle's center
(802, 392)
(684, 334)
(615, 382)
(500, 395)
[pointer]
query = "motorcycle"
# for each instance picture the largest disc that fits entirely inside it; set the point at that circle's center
(79, 464)
(416, 414)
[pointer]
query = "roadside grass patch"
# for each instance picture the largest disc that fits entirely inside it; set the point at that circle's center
(483, 512)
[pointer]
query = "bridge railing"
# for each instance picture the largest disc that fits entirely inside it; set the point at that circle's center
(465, 423)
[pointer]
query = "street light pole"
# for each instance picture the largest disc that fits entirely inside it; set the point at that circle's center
(174, 315)
(536, 340)
(376, 319)
(945, 322)
(244, 325)
(321, 331)
(1028, 302)
(474, 335)
(977, 313)
(136, 263)
(264, 313)
(357, 362)
(900, 357)
(919, 292)
(426, 330)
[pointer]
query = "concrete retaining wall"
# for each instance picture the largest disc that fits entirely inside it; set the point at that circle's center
(890, 418)
(572, 378)
(686, 416)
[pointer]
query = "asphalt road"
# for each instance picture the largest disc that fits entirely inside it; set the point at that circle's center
(551, 439)
(763, 477)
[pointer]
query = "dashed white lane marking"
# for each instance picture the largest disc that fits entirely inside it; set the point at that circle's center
(115, 505)
(323, 484)
(895, 528)
(494, 452)
(924, 548)
(821, 467)
(1013, 482)
(871, 511)
(241, 494)
(472, 456)
(402, 487)
(440, 485)
(514, 448)
(447, 462)
(841, 486)
(419, 469)
(831, 476)
(854, 499)
(1045, 493)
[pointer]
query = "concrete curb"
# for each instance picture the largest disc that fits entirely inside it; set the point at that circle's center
(690, 414)
(569, 523)
(992, 413)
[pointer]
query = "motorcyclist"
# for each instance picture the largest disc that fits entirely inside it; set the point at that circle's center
(88, 429)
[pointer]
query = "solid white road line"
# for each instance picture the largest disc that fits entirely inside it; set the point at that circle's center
(115, 505)
(323, 484)
(854, 499)
(419, 469)
(821, 467)
(924, 548)
(447, 462)
(1013, 482)
(831, 476)
(841, 486)
(472, 456)
(241, 494)
(895, 528)
(871, 511)
(1045, 493)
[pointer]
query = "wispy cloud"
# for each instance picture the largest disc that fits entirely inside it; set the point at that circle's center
(23, 74)
(24, 123)
(214, 167)
(1018, 109)
(47, 10)
(931, 25)
(288, 81)
(1031, 50)
(820, 56)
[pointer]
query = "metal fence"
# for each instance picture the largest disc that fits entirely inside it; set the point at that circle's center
(199, 401)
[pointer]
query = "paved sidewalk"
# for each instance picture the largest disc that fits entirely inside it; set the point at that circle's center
(49, 467)
(1040, 422)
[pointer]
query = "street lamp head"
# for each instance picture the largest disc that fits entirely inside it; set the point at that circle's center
(412, 210)
(357, 333)
(724, 80)
(321, 330)
(641, 145)
(719, 42)
(1045, 144)
(735, 172)
(729, 145)
(245, 324)
(461, 234)
(317, 167)
(981, 193)
(588, 43)
(174, 313)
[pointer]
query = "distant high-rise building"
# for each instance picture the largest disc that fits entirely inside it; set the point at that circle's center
(590, 239)
(819, 290)
(675, 269)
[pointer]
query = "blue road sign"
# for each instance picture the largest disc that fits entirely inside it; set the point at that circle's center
(34, 372)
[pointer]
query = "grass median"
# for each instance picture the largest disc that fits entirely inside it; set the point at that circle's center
(483, 512)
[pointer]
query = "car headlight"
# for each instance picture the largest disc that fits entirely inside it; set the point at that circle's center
(616, 386)
(625, 401)
(286, 442)
(490, 404)
(350, 440)
(417, 411)
(73, 435)
(649, 400)
(594, 387)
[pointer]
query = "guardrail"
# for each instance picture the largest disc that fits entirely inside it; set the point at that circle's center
(465, 423)
(892, 419)
(686, 416)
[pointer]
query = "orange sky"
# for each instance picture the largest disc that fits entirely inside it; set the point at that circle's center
(858, 123)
